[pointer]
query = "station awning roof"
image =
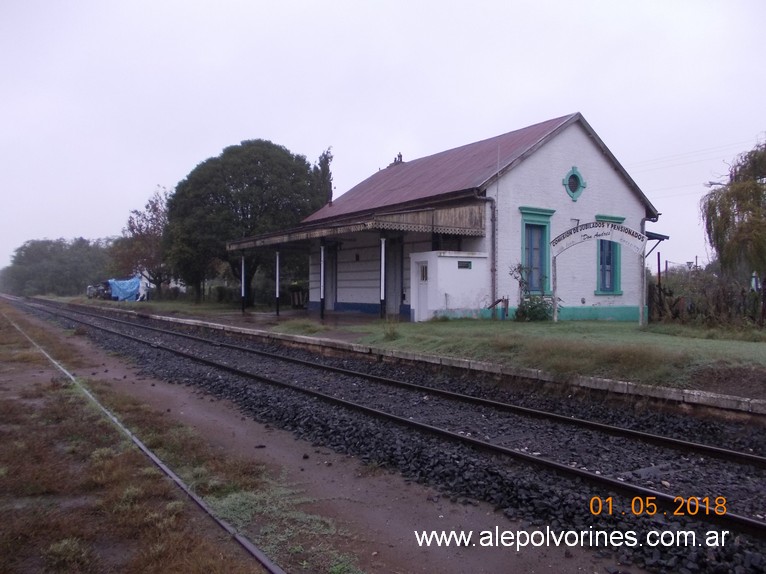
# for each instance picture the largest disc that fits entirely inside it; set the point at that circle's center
(466, 220)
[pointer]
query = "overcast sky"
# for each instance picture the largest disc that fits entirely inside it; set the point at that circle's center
(104, 100)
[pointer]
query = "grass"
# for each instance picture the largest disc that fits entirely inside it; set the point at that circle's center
(655, 354)
(77, 496)
(71, 501)
(301, 327)
(162, 306)
(240, 491)
(15, 348)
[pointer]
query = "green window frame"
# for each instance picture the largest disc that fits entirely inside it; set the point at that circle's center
(535, 247)
(608, 262)
(573, 183)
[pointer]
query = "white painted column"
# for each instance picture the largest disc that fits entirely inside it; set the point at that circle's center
(321, 281)
(382, 277)
(242, 281)
(555, 296)
(277, 283)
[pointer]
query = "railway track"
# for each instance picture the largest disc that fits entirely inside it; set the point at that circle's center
(658, 477)
(265, 562)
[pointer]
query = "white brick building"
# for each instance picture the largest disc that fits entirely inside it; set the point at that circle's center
(439, 235)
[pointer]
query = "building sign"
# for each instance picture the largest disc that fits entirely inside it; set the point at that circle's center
(606, 230)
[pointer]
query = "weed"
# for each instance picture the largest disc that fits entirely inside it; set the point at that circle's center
(70, 555)
(391, 329)
(36, 392)
(506, 342)
(572, 358)
(301, 327)
(344, 565)
(372, 468)
(174, 507)
(150, 471)
(131, 495)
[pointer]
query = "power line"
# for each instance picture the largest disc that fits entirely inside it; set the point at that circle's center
(674, 157)
(671, 165)
(696, 185)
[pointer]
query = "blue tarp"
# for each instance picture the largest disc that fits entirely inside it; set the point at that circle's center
(126, 290)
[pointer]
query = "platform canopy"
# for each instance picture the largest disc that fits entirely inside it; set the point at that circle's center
(466, 220)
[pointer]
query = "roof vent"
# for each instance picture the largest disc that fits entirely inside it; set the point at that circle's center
(397, 160)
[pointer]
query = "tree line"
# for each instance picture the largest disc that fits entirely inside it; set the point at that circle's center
(254, 187)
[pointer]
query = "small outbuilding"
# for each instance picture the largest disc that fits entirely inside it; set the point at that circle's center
(545, 211)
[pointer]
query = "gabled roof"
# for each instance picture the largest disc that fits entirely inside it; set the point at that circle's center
(448, 173)
(395, 197)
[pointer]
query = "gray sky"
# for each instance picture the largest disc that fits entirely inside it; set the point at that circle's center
(104, 100)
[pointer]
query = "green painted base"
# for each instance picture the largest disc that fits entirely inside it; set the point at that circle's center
(605, 313)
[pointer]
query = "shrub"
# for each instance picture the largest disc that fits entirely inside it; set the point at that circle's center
(531, 307)
(534, 308)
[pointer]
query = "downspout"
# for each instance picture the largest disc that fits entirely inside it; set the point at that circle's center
(492, 248)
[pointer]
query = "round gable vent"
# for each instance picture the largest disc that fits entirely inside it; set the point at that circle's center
(573, 183)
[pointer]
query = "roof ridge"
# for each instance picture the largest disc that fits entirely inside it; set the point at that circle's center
(563, 119)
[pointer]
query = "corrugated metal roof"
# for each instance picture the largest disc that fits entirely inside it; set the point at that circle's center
(433, 181)
(462, 168)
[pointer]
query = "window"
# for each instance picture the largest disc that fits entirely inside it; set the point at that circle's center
(608, 262)
(606, 270)
(534, 251)
(573, 183)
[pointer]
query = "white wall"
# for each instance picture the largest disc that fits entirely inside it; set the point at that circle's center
(451, 290)
(537, 182)
(359, 281)
(358, 267)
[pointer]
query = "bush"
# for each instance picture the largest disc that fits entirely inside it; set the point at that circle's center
(531, 307)
(534, 308)
(705, 297)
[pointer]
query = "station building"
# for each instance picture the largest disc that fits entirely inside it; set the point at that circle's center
(441, 235)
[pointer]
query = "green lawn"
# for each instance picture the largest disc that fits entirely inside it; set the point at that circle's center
(656, 354)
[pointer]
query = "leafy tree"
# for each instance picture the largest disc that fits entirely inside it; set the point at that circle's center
(56, 267)
(734, 215)
(251, 188)
(140, 250)
(323, 175)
